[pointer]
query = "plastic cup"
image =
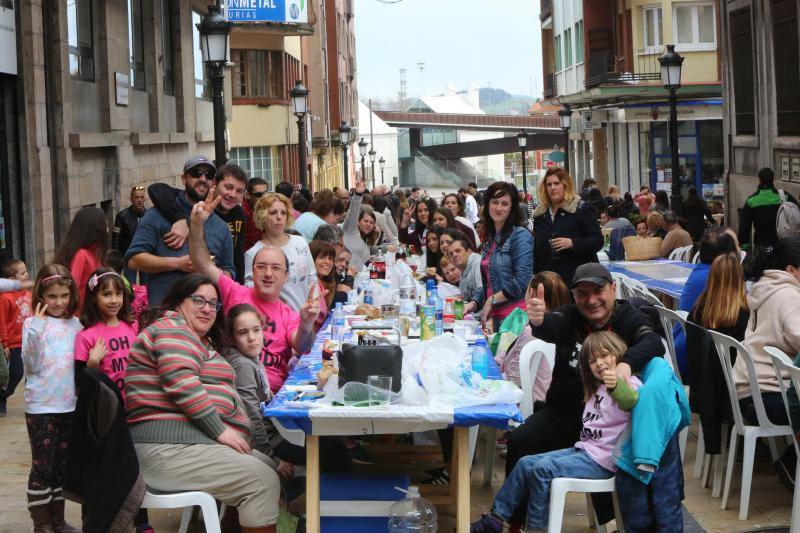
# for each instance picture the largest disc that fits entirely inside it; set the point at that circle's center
(380, 390)
(460, 331)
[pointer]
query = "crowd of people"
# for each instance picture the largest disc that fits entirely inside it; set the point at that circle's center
(194, 311)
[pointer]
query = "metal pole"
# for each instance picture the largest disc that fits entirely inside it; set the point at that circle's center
(344, 159)
(524, 173)
(566, 150)
(217, 83)
(363, 170)
(673, 142)
(373, 184)
(301, 150)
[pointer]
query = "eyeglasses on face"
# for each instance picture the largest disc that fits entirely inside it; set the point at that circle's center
(261, 267)
(197, 172)
(199, 302)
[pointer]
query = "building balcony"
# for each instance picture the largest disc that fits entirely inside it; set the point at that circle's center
(602, 69)
(549, 86)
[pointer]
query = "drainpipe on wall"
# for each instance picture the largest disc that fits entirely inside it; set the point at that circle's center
(50, 79)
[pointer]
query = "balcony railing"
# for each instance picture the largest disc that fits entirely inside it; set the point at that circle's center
(546, 9)
(549, 86)
(603, 71)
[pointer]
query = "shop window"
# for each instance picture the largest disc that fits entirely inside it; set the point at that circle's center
(259, 161)
(80, 39)
(136, 43)
(743, 83)
(202, 84)
(694, 26)
(167, 62)
(787, 76)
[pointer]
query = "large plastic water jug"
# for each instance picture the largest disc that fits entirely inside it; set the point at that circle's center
(412, 514)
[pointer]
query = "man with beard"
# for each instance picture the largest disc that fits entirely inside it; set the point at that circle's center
(230, 182)
(149, 252)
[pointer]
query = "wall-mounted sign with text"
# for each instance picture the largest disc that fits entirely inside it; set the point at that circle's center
(291, 11)
(8, 38)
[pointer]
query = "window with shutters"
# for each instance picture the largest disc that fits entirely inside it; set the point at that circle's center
(787, 60)
(741, 27)
(263, 74)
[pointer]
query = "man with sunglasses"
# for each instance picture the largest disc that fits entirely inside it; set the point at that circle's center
(150, 252)
(256, 188)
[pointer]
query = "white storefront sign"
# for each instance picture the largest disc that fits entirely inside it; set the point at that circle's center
(660, 113)
(8, 38)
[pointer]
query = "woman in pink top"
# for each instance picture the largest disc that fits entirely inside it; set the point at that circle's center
(605, 417)
(645, 200)
(83, 247)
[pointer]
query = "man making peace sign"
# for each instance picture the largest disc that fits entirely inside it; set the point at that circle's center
(284, 329)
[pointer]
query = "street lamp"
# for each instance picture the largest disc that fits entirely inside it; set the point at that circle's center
(522, 140)
(671, 64)
(299, 96)
(382, 165)
(214, 30)
(344, 139)
(372, 153)
(362, 149)
(565, 114)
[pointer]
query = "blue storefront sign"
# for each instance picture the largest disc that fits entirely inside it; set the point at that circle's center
(291, 11)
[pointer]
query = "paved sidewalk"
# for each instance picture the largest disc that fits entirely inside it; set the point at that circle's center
(770, 503)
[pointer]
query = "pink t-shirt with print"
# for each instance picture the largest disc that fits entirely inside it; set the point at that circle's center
(603, 423)
(280, 323)
(119, 340)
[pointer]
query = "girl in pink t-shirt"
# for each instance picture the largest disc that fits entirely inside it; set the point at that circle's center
(109, 327)
(609, 400)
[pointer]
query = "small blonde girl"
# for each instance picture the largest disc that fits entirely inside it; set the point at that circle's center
(48, 340)
(605, 417)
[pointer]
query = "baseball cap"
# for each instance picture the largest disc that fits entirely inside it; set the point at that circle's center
(593, 273)
(196, 161)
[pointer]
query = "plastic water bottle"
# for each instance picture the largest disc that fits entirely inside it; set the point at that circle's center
(439, 316)
(480, 357)
(337, 323)
(412, 514)
(431, 292)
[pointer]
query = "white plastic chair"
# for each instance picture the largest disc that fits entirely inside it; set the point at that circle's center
(644, 293)
(559, 488)
(783, 365)
(529, 359)
(764, 429)
(696, 258)
(677, 254)
(668, 320)
(186, 501)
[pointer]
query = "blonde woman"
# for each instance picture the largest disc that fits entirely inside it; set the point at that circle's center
(273, 214)
(566, 228)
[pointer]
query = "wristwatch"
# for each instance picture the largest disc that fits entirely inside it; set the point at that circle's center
(494, 302)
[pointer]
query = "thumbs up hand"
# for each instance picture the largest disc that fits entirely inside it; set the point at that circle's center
(536, 307)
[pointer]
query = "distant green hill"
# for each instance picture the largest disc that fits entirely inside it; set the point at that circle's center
(499, 102)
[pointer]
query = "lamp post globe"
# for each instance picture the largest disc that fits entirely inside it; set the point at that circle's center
(565, 116)
(372, 153)
(522, 141)
(671, 66)
(299, 96)
(362, 149)
(214, 30)
(344, 140)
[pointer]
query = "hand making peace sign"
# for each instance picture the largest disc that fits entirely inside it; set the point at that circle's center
(202, 210)
(310, 309)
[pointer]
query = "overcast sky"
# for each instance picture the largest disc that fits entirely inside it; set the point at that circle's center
(486, 42)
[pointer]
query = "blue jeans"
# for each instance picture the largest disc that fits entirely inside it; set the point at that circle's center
(532, 476)
(15, 372)
(656, 506)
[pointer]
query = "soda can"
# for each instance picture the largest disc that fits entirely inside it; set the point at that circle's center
(458, 308)
(427, 322)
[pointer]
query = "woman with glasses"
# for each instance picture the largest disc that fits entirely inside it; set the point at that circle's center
(185, 417)
(272, 215)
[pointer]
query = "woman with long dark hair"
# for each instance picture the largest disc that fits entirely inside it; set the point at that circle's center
(566, 228)
(455, 204)
(183, 408)
(324, 254)
(443, 218)
(506, 256)
(422, 213)
(83, 247)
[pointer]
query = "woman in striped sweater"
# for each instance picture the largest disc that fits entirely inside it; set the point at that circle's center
(185, 416)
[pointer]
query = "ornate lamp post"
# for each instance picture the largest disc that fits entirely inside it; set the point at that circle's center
(299, 96)
(671, 65)
(382, 165)
(372, 153)
(565, 114)
(522, 140)
(344, 139)
(362, 150)
(214, 30)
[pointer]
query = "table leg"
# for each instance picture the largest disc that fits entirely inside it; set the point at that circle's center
(460, 479)
(312, 484)
(488, 460)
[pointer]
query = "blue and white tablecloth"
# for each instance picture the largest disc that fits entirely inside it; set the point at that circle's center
(662, 275)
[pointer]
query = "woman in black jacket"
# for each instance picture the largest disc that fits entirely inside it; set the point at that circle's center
(565, 228)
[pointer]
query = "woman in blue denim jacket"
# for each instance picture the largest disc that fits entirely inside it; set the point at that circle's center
(507, 254)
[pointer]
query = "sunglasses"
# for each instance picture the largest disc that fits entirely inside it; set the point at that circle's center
(138, 188)
(197, 172)
(258, 194)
